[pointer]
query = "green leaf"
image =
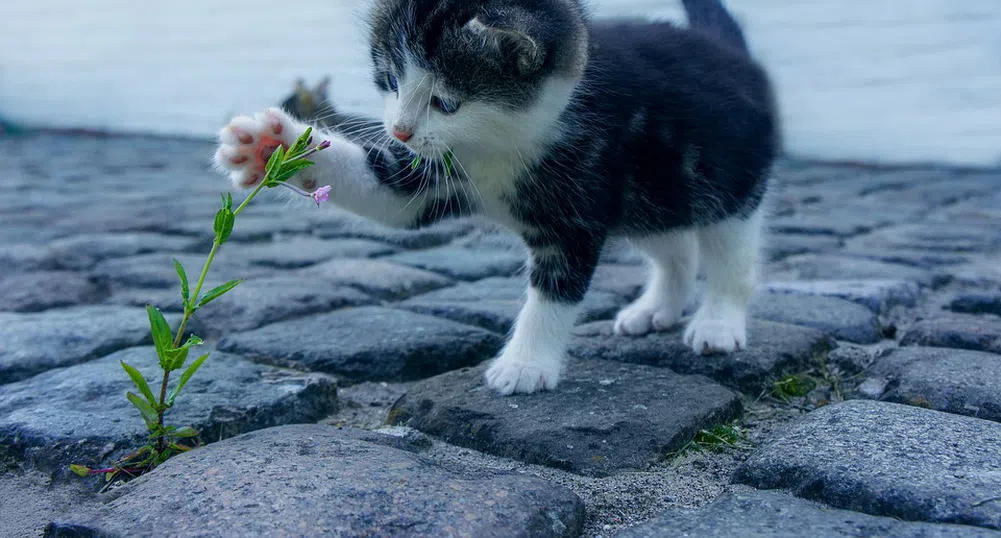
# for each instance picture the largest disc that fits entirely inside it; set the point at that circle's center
(190, 371)
(220, 219)
(162, 337)
(140, 383)
(274, 163)
(176, 358)
(179, 355)
(185, 290)
(449, 164)
(415, 163)
(186, 431)
(80, 470)
(300, 144)
(223, 225)
(228, 229)
(288, 170)
(214, 293)
(148, 413)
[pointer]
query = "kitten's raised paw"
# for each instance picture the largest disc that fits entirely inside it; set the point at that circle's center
(246, 144)
(716, 334)
(508, 376)
(637, 320)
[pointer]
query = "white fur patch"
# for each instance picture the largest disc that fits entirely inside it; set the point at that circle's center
(533, 358)
(673, 263)
(730, 251)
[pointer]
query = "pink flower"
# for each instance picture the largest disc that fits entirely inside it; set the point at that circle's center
(323, 145)
(321, 195)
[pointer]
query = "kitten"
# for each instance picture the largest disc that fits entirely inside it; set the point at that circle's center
(568, 132)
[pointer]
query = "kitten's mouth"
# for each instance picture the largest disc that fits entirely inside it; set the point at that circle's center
(445, 160)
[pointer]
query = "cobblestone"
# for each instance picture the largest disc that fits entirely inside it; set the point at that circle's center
(881, 286)
(887, 460)
(951, 380)
(604, 416)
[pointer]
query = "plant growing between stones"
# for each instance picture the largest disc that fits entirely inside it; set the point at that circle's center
(715, 439)
(793, 386)
(166, 441)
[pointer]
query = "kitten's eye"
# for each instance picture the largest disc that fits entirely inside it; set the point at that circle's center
(392, 82)
(446, 106)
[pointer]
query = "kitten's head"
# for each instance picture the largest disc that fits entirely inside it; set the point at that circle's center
(475, 74)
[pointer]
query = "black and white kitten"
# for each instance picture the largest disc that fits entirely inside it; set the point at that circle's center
(566, 131)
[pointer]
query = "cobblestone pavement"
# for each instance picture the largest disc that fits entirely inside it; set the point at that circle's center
(345, 392)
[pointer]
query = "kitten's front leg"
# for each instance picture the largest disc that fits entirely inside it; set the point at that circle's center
(372, 182)
(534, 356)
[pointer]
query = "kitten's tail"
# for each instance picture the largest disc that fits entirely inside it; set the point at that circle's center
(712, 19)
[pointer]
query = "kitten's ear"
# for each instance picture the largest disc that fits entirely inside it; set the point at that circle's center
(301, 91)
(527, 53)
(321, 88)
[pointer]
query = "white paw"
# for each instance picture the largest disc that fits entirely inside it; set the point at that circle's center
(508, 376)
(708, 334)
(639, 319)
(246, 144)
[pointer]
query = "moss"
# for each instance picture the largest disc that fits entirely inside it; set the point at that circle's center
(793, 386)
(921, 401)
(394, 416)
(716, 439)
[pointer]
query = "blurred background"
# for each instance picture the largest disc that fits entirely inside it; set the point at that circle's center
(894, 81)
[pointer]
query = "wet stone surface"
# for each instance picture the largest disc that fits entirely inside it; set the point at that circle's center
(78, 414)
(775, 349)
(878, 295)
(977, 303)
(313, 480)
(81, 252)
(406, 346)
(297, 252)
(265, 300)
(494, 303)
(837, 317)
(42, 290)
(604, 417)
(772, 514)
(464, 263)
(887, 459)
(833, 267)
(962, 332)
(951, 380)
(36, 342)
(880, 285)
(378, 278)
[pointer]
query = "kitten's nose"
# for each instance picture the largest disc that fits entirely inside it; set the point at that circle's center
(402, 134)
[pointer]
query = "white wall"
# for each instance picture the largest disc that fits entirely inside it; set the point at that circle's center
(890, 80)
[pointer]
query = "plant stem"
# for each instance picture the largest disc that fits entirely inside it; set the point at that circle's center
(251, 197)
(162, 407)
(188, 312)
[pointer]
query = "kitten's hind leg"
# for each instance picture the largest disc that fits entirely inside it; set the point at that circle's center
(673, 260)
(730, 251)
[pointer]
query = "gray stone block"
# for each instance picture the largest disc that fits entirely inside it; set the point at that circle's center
(603, 417)
(887, 459)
